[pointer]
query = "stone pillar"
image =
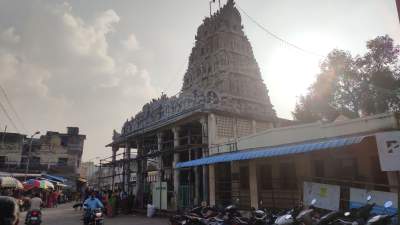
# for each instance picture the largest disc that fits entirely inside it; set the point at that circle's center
(175, 131)
(212, 131)
(159, 157)
(124, 170)
(211, 174)
(114, 159)
(128, 168)
(253, 184)
(254, 126)
(141, 168)
(197, 179)
(204, 139)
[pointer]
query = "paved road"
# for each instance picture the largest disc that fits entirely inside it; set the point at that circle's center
(65, 215)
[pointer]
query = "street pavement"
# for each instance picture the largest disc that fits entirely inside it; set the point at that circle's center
(66, 215)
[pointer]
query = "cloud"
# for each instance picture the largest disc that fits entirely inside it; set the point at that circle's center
(58, 71)
(131, 43)
(9, 36)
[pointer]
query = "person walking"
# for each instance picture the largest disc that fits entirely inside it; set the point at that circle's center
(9, 213)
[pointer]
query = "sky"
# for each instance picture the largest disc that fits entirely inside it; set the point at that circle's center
(94, 63)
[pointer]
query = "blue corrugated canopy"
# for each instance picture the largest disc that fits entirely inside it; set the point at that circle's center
(54, 178)
(274, 151)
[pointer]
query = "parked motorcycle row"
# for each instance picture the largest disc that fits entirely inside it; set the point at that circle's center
(310, 215)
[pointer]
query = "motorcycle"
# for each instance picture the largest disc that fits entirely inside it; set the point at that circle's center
(357, 216)
(383, 219)
(93, 217)
(198, 215)
(34, 217)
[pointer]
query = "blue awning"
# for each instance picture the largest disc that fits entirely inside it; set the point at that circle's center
(274, 151)
(54, 178)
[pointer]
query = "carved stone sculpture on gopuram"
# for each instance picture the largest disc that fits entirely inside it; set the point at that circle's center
(222, 75)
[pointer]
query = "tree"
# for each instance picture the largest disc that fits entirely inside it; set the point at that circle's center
(354, 86)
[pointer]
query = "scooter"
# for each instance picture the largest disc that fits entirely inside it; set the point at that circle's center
(383, 219)
(34, 217)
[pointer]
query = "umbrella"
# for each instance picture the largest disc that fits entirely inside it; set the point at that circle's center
(42, 184)
(10, 182)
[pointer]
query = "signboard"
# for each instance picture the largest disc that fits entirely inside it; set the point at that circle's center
(160, 193)
(327, 196)
(389, 150)
(358, 197)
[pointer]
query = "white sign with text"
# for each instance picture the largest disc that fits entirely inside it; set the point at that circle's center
(327, 196)
(388, 144)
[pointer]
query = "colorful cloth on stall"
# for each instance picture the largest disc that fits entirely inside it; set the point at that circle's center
(34, 183)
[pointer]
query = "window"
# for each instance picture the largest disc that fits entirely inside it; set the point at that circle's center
(62, 161)
(244, 177)
(318, 166)
(2, 160)
(35, 161)
(265, 176)
(288, 176)
(347, 168)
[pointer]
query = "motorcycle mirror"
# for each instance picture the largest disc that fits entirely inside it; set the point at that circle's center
(388, 204)
(313, 201)
(347, 214)
(369, 197)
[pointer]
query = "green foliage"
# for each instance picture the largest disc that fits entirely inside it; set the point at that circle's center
(354, 86)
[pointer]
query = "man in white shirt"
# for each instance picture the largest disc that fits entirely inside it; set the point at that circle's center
(36, 203)
(35, 208)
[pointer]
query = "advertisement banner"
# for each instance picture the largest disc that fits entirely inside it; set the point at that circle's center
(358, 198)
(388, 144)
(327, 196)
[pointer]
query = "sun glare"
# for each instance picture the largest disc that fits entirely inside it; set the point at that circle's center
(290, 71)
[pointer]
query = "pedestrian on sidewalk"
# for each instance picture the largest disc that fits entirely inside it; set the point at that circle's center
(112, 204)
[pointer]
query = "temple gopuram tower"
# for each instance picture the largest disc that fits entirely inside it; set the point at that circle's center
(223, 68)
(223, 98)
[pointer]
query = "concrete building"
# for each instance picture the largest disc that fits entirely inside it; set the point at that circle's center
(270, 167)
(53, 153)
(89, 171)
(223, 97)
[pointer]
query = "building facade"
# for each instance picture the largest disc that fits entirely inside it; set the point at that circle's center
(53, 153)
(223, 97)
(270, 168)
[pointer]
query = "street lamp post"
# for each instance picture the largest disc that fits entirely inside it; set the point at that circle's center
(29, 154)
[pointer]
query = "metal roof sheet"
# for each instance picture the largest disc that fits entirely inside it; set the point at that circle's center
(274, 151)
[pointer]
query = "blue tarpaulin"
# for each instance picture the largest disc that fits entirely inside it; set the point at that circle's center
(274, 151)
(54, 178)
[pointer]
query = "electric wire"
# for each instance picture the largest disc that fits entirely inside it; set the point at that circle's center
(276, 36)
(12, 108)
(8, 116)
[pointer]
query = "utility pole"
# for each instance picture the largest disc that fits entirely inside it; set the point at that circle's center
(398, 8)
(29, 154)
